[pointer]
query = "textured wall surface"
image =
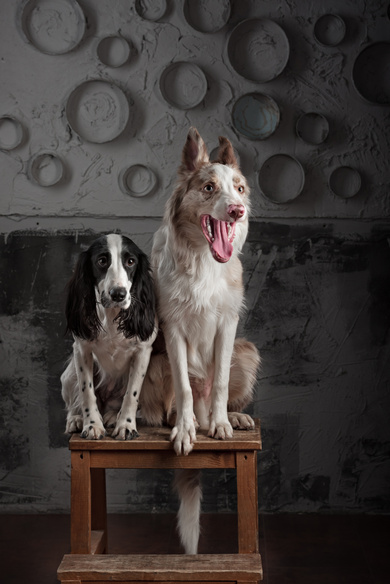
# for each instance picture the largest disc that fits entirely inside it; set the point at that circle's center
(317, 267)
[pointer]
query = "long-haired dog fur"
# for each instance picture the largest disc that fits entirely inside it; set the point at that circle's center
(206, 377)
(110, 310)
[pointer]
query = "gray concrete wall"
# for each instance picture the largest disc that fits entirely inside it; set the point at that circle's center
(317, 268)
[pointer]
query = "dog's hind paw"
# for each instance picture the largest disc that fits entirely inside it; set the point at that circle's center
(220, 430)
(241, 421)
(183, 437)
(74, 424)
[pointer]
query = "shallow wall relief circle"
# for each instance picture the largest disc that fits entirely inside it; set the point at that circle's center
(329, 30)
(207, 16)
(113, 51)
(54, 27)
(345, 182)
(371, 73)
(183, 85)
(138, 180)
(281, 178)
(258, 49)
(97, 111)
(312, 128)
(11, 133)
(46, 169)
(256, 116)
(151, 10)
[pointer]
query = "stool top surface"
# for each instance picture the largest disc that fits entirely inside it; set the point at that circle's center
(157, 438)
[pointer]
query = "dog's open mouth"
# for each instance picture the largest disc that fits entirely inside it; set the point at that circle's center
(220, 236)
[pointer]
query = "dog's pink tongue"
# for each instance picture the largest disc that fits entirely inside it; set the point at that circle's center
(221, 247)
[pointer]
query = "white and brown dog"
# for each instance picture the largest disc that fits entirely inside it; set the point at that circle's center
(210, 375)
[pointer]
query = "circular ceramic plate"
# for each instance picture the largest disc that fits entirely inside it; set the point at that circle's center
(183, 85)
(329, 30)
(258, 49)
(53, 26)
(46, 169)
(151, 9)
(281, 178)
(97, 111)
(137, 180)
(11, 133)
(256, 116)
(207, 15)
(113, 51)
(371, 73)
(345, 182)
(312, 128)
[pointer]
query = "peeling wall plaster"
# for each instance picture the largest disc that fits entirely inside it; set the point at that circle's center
(317, 270)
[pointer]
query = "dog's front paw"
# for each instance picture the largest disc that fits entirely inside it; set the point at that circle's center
(74, 424)
(220, 429)
(93, 431)
(125, 430)
(183, 437)
(241, 421)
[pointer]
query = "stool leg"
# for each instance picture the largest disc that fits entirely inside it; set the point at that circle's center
(80, 516)
(247, 507)
(98, 507)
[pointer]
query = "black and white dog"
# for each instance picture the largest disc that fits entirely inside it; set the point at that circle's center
(110, 310)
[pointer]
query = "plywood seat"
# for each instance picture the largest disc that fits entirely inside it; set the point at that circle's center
(89, 562)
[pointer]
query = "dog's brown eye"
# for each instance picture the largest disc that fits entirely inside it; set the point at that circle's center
(130, 262)
(102, 262)
(240, 189)
(208, 188)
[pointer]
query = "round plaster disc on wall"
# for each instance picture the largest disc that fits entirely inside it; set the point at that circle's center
(371, 73)
(97, 111)
(329, 30)
(312, 128)
(53, 26)
(137, 180)
(256, 116)
(281, 178)
(11, 133)
(46, 169)
(151, 9)
(207, 15)
(183, 85)
(345, 182)
(113, 51)
(258, 49)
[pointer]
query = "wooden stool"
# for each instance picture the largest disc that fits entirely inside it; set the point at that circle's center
(88, 561)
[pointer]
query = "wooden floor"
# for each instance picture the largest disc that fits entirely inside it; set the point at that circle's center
(295, 549)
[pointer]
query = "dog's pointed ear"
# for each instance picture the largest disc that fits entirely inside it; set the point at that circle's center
(226, 153)
(194, 152)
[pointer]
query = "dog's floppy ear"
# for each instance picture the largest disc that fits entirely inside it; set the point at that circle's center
(194, 152)
(226, 153)
(80, 310)
(139, 319)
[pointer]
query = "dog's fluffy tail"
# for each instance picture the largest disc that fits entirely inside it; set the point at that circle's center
(188, 486)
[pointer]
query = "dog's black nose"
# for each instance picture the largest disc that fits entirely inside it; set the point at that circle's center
(118, 293)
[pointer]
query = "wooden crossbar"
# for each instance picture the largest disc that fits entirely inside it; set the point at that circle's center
(161, 568)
